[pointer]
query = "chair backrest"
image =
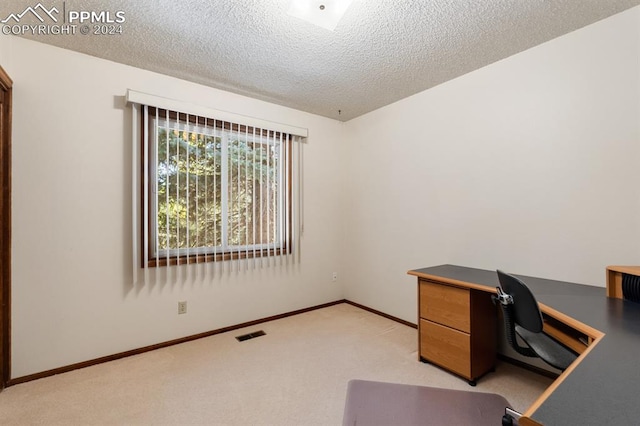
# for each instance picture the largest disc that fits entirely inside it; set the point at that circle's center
(526, 312)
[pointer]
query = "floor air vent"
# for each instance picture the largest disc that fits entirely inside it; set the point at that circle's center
(250, 335)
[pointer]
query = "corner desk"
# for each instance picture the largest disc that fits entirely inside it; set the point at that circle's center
(601, 387)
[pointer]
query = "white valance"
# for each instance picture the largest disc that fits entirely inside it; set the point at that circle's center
(186, 107)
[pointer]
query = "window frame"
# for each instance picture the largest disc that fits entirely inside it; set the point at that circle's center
(225, 252)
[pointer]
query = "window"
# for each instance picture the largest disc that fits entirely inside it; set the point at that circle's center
(214, 190)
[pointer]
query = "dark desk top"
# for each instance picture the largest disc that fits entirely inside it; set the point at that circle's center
(604, 388)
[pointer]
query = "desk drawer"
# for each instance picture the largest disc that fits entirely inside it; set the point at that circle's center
(446, 347)
(446, 305)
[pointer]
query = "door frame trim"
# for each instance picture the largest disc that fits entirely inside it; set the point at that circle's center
(6, 86)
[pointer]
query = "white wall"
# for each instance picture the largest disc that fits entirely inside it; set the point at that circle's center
(529, 165)
(6, 53)
(73, 298)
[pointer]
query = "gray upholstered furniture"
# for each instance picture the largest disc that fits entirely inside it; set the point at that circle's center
(522, 317)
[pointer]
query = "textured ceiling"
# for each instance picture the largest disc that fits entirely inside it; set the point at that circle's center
(380, 52)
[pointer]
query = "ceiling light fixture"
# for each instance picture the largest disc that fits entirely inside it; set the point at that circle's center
(323, 13)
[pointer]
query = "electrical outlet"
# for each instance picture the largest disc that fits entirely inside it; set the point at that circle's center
(182, 307)
(334, 277)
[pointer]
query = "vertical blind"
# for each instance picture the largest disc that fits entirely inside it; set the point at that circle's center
(222, 194)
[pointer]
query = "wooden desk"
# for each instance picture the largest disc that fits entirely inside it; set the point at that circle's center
(603, 385)
(456, 327)
(614, 279)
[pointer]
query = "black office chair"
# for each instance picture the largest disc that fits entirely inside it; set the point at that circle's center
(522, 316)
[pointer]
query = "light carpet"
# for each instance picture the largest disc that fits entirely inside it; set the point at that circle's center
(295, 375)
